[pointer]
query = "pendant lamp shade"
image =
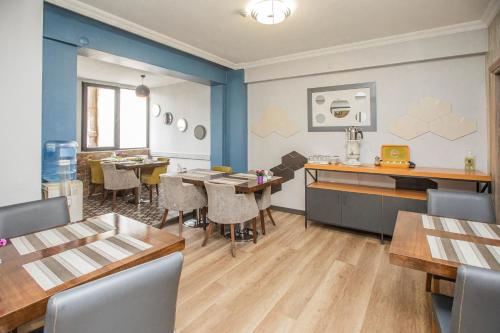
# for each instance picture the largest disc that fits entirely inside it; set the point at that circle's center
(142, 90)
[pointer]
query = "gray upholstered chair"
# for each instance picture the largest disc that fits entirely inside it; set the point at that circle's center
(475, 306)
(179, 196)
(461, 205)
(264, 203)
(29, 217)
(140, 299)
(227, 207)
(119, 180)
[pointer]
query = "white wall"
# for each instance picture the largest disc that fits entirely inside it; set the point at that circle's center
(184, 100)
(461, 81)
(20, 100)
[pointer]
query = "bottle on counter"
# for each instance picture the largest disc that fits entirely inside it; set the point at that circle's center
(469, 161)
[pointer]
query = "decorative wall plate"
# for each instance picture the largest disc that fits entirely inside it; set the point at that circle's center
(182, 125)
(168, 118)
(200, 132)
(156, 110)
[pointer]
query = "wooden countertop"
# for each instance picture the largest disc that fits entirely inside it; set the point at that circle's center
(418, 172)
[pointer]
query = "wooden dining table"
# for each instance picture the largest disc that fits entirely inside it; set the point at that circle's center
(248, 184)
(410, 247)
(22, 299)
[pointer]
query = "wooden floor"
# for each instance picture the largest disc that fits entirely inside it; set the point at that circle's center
(321, 279)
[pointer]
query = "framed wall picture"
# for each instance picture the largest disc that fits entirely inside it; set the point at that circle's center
(333, 109)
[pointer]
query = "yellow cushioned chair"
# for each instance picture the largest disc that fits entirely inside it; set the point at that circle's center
(96, 175)
(222, 168)
(152, 177)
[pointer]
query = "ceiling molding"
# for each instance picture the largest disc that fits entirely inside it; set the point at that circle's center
(490, 12)
(441, 31)
(116, 21)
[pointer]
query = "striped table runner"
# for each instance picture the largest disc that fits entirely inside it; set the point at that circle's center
(468, 253)
(194, 175)
(485, 230)
(246, 175)
(207, 172)
(55, 270)
(230, 181)
(60, 235)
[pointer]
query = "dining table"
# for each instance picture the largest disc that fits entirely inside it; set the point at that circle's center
(34, 267)
(439, 245)
(138, 166)
(243, 182)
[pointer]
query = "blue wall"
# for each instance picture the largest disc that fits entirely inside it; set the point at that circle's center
(65, 31)
(235, 122)
(58, 91)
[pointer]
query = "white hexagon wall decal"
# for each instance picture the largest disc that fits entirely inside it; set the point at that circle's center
(453, 126)
(429, 108)
(408, 127)
(276, 120)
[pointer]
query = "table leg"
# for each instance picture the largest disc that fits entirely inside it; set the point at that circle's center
(428, 282)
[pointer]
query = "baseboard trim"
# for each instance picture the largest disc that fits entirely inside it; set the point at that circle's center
(288, 210)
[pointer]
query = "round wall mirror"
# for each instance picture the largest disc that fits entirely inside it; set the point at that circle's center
(156, 110)
(182, 125)
(168, 118)
(200, 132)
(340, 108)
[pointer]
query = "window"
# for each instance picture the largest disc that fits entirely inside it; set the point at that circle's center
(113, 118)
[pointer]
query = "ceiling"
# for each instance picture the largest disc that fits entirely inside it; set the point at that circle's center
(92, 69)
(215, 28)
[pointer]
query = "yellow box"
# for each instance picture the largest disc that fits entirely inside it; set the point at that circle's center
(395, 156)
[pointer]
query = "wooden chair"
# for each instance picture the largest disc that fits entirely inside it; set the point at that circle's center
(118, 180)
(152, 177)
(179, 196)
(222, 168)
(227, 207)
(96, 176)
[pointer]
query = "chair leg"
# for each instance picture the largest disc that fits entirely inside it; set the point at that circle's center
(222, 229)
(204, 217)
(164, 218)
(262, 222)
(136, 196)
(157, 190)
(233, 242)
(150, 194)
(104, 195)
(254, 233)
(180, 223)
(113, 205)
(91, 188)
(208, 232)
(268, 210)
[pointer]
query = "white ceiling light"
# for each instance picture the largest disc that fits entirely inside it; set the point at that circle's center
(270, 11)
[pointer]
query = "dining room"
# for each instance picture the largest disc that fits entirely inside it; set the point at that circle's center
(249, 166)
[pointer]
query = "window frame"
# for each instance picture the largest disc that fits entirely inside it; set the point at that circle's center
(116, 88)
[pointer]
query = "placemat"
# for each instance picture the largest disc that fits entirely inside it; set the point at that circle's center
(245, 175)
(468, 253)
(194, 175)
(207, 172)
(55, 270)
(230, 181)
(60, 235)
(478, 229)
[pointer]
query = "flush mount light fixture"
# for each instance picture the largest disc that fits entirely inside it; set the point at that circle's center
(142, 90)
(270, 11)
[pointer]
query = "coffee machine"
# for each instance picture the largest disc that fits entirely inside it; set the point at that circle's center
(353, 145)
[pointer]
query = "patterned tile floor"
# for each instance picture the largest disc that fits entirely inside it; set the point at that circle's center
(146, 212)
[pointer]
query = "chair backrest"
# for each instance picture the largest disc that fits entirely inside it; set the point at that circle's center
(110, 178)
(155, 175)
(140, 299)
(29, 217)
(220, 202)
(476, 305)
(222, 168)
(461, 205)
(96, 174)
(172, 194)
